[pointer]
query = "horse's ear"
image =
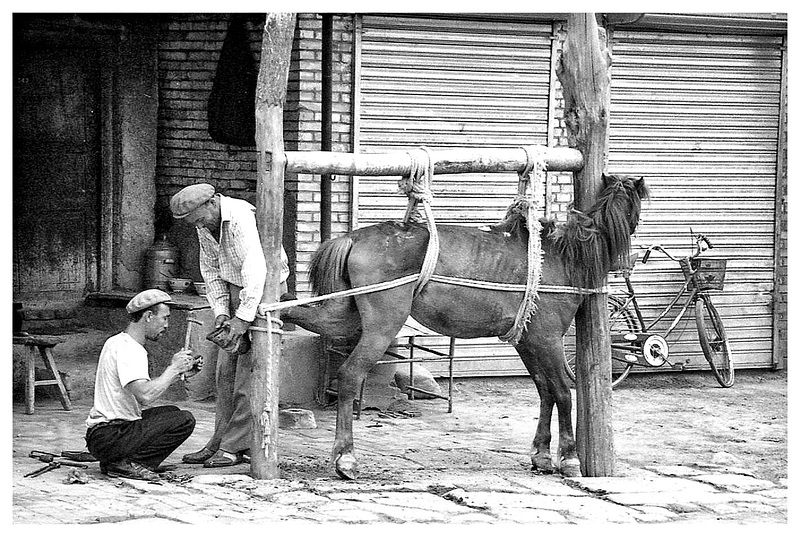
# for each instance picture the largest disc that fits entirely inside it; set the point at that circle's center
(641, 188)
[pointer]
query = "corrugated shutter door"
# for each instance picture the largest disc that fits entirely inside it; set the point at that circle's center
(698, 117)
(446, 83)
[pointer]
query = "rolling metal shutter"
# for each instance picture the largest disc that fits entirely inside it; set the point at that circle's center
(698, 117)
(443, 83)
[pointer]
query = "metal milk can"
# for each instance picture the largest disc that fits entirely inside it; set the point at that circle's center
(161, 263)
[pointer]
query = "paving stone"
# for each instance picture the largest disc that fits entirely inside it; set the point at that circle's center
(300, 497)
(582, 508)
(675, 501)
(776, 493)
(413, 500)
(357, 486)
(394, 513)
(676, 471)
(546, 485)
(343, 511)
(736, 483)
(618, 485)
(220, 479)
(650, 513)
(527, 515)
(219, 493)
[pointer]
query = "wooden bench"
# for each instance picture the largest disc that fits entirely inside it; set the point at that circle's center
(40, 346)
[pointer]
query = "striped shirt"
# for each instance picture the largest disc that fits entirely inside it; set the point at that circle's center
(237, 258)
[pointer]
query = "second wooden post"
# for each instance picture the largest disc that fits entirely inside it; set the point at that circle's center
(584, 75)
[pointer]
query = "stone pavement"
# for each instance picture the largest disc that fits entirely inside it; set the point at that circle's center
(468, 467)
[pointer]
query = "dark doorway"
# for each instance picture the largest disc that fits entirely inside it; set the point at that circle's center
(56, 167)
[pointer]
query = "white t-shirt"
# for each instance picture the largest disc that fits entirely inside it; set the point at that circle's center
(122, 361)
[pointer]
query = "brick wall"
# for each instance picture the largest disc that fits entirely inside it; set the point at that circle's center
(781, 293)
(188, 52)
(561, 196)
(304, 99)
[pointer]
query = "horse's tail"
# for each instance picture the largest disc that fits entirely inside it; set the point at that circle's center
(328, 270)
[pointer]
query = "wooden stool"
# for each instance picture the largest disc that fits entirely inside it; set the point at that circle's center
(42, 346)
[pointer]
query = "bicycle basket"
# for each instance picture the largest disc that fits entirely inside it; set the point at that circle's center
(710, 272)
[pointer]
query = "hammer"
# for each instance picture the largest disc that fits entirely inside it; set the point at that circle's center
(191, 319)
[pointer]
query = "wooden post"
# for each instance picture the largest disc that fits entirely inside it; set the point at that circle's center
(584, 75)
(273, 76)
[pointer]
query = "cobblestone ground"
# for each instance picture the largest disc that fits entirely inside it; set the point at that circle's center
(467, 467)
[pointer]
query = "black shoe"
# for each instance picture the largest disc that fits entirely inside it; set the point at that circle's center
(129, 470)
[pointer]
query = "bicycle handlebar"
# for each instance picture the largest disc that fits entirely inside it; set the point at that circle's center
(699, 238)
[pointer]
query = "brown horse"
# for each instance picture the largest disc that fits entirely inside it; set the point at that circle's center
(576, 254)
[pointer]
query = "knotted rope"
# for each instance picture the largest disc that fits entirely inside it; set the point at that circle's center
(528, 195)
(266, 414)
(417, 186)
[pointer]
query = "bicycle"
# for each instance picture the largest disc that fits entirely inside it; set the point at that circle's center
(633, 342)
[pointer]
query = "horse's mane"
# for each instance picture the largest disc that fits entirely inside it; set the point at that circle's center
(588, 243)
(515, 220)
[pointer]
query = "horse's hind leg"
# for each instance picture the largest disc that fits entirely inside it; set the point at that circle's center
(382, 316)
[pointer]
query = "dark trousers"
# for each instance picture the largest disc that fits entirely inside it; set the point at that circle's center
(147, 441)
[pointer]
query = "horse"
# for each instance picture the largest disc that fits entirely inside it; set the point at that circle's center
(577, 254)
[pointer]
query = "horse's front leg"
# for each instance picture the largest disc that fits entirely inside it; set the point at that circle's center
(541, 459)
(544, 359)
(568, 462)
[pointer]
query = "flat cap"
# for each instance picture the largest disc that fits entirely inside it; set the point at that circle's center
(147, 298)
(190, 198)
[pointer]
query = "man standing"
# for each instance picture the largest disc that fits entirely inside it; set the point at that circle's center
(234, 268)
(128, 441)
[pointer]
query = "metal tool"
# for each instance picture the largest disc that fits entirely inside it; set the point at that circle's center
(191, 319)
(44, 469)
(49, 457)
(36, 454)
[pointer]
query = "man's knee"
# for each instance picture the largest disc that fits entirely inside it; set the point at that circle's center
(187, 420)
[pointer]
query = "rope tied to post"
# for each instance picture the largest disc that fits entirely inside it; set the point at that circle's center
(274, 327)
(528, 199)
(417, 187)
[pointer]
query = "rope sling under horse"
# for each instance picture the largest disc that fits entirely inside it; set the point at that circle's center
(417, 187)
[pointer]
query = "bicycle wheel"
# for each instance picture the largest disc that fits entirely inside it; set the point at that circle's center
(621, 320)
(713, 340)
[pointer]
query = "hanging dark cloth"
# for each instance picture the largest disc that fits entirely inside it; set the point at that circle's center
(232, 103)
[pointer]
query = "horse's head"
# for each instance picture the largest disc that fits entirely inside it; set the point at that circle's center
(591, 243)
(623, 194)
(616, 212)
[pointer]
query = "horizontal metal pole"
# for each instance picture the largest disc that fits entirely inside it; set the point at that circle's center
(446, 161)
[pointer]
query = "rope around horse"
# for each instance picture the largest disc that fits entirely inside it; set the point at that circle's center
(528, 304)
(263, 309)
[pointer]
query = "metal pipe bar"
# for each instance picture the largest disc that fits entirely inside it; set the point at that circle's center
(446, 161)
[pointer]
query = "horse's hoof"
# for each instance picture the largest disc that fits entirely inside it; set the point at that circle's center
(542, 465)
(346, 467)
(571, 467)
